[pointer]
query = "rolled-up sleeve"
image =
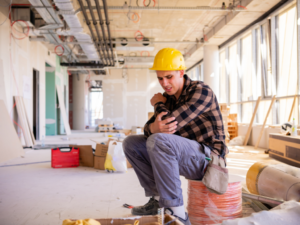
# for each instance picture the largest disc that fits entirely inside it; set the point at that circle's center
(199, 101)
(147, 131)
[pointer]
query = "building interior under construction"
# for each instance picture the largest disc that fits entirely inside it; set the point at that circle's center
(76, 73)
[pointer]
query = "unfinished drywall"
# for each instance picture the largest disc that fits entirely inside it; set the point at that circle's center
(127, 94)
(19, 58)
(10, 143)
(264, 142)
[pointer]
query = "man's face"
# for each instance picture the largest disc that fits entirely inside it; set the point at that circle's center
(171, 81)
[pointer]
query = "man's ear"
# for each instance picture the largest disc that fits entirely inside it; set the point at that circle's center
(181, 72)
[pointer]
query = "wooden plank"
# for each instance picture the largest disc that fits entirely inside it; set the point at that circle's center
(11, 146)
(264, 124)
(251, 122)
(63, 110)
(23, 122)
(292, 109)
(27, 121)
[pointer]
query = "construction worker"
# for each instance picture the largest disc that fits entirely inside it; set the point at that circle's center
(178, 139)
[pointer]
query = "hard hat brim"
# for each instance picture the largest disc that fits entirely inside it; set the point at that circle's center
(161, 69)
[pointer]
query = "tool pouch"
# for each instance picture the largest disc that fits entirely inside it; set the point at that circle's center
(216, 175)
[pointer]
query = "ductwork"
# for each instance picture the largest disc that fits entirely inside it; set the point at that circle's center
(76, 29)
(54, 25)
(46, 10)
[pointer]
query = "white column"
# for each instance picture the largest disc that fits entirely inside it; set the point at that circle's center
(78, 102)
(211, 68)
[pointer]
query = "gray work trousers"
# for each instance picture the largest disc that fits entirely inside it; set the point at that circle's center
(159, 161)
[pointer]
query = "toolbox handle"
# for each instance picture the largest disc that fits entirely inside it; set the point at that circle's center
(70, 149)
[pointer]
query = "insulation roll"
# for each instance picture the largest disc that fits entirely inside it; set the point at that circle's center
(205, 207)
(277, 181)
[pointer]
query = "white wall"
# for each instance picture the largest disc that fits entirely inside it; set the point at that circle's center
(264, 141)
(126, 98)
(19, 58)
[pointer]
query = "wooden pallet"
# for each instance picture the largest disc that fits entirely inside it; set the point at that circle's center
(232, 125)
(105, 125)
(225, 113)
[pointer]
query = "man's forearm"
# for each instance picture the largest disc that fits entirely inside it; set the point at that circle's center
(150, 128)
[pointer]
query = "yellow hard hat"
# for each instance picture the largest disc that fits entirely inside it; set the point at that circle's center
(168, 59)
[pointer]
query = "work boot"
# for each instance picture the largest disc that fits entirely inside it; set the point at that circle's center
(185, 221)
(149, 208)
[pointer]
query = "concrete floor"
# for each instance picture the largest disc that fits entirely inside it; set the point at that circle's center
(32, 193)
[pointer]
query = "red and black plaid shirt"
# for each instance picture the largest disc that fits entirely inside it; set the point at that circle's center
(197, 113)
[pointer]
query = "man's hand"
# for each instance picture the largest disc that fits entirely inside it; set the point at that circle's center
(158, 98)
(161, 126)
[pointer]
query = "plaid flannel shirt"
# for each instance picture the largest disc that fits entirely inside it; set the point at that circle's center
(197, 113)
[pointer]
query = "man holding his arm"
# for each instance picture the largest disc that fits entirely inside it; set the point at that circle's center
(178, 139)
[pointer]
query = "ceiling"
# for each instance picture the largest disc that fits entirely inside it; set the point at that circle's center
(175, 25)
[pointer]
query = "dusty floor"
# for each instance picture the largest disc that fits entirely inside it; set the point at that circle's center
(32, 193)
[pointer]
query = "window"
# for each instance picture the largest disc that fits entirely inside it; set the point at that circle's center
(233, 78)
(247, 68)
(196, 72)
(287, 60)
(95, 107)
(223, 78)
(265, 55)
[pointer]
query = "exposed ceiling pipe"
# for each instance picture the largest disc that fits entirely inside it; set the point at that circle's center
(95, 65)
(169, 8)
(88, 23)
(108, 29)
(103, 59)
(103, 32)
(76, 29)
(46, 10)
(131, 42)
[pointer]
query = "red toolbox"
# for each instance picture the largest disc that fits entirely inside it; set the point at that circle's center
(63, 159)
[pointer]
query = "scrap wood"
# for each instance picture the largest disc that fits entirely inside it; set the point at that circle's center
(265, 121)
(256, 205)
(63, 110)
(292, 109)
(26, 129)
(27, 120)
(251, 122)
(81, 222)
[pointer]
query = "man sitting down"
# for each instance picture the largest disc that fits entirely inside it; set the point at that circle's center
(178, 139)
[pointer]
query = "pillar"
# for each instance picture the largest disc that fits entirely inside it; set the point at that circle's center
(211, 68)
(78, 102)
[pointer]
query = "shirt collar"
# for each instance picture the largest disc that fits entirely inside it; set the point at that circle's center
(185, 86)
(187, 83)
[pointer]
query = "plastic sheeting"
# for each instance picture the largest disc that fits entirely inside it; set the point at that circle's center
(286, 213)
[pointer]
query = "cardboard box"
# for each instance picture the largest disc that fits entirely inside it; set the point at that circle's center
(100, 156)
(285, 148)
(136, 130)
(86, 155)
(128, 164)
(101, 150)
(99, 162)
